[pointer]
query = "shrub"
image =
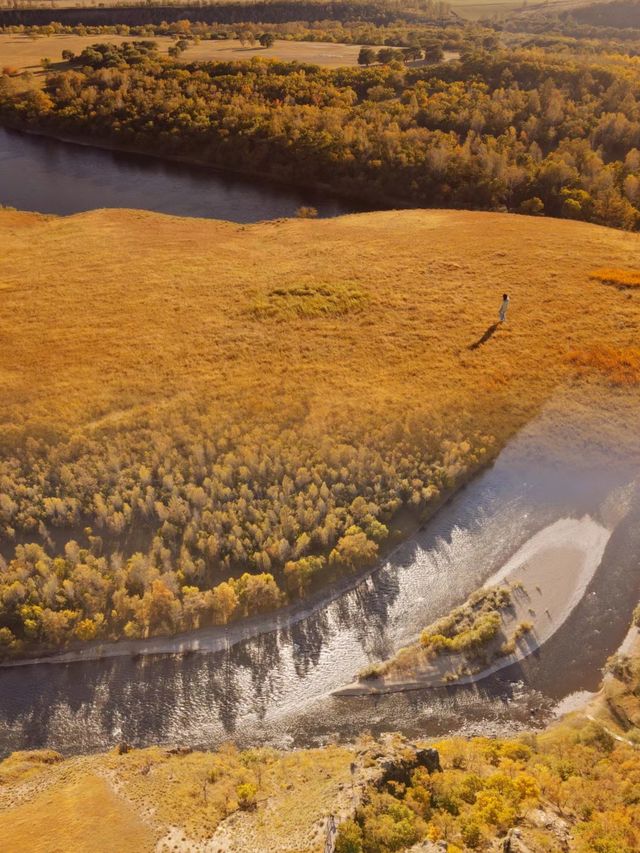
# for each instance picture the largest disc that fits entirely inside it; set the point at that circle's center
(349, 839)
(620, 365)
(247, 795)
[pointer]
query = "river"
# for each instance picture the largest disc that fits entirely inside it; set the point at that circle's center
(43, 174)
(274, 684)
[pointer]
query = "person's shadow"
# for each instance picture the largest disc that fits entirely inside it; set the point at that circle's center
(490, 332)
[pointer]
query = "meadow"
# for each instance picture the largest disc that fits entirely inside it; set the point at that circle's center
(203, 420)
(25, 53)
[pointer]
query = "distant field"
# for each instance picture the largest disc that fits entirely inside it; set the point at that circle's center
(25, 53)
(474, 11)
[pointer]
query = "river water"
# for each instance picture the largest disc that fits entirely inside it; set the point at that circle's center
(275, 686)
(46, 175)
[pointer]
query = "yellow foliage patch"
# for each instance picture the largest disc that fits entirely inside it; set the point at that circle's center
(619, 277)
(81, 816)
(620, 365)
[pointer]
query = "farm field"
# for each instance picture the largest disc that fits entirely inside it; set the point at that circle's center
(25, 53)
(481, 11)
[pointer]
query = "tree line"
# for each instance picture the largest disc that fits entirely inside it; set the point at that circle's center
(234, 12)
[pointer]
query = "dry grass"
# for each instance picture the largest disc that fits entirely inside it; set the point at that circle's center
(618, 278)
(22, 766)
(128, 802)
(111, 314)
(25, 53)
(81, 814)
(621, 366)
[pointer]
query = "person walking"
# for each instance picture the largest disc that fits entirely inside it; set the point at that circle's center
(504, 308)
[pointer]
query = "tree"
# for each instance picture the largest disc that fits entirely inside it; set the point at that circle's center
(160, 608)
(299, 573)
(367, 56)
(267, 40)
(257, 593)
(532, 206)
(412, 54)
(433, 52)
(224, 602)
(353, 550)
(247, 36)
(387, 55)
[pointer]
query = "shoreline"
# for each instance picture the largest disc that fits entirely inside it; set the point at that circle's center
(360, 203)
(218, 637)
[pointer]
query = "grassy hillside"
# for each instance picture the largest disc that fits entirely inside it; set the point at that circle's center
(188, 401)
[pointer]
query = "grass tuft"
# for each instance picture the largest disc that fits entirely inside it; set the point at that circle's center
(308, 301)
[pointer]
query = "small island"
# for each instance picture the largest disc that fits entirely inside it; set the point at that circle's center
(518, 610)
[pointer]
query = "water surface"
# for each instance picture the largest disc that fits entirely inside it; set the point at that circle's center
(45, 175)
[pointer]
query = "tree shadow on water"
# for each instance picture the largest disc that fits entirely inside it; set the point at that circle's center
(487, 335)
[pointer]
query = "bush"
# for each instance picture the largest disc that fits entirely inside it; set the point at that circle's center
(349, 839)
(247, 795)
(593, 734)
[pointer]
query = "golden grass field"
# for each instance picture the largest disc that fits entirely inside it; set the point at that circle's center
(25, 53)
(116, 315)
(112, 314)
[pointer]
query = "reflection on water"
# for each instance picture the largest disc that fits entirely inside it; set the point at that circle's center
(49, 176)
(276, 687)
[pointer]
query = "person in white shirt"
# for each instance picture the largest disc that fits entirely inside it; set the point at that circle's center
(504, 307)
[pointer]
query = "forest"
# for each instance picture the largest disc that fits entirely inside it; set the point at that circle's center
(209, 522)
(520, 130)
(262, 11)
